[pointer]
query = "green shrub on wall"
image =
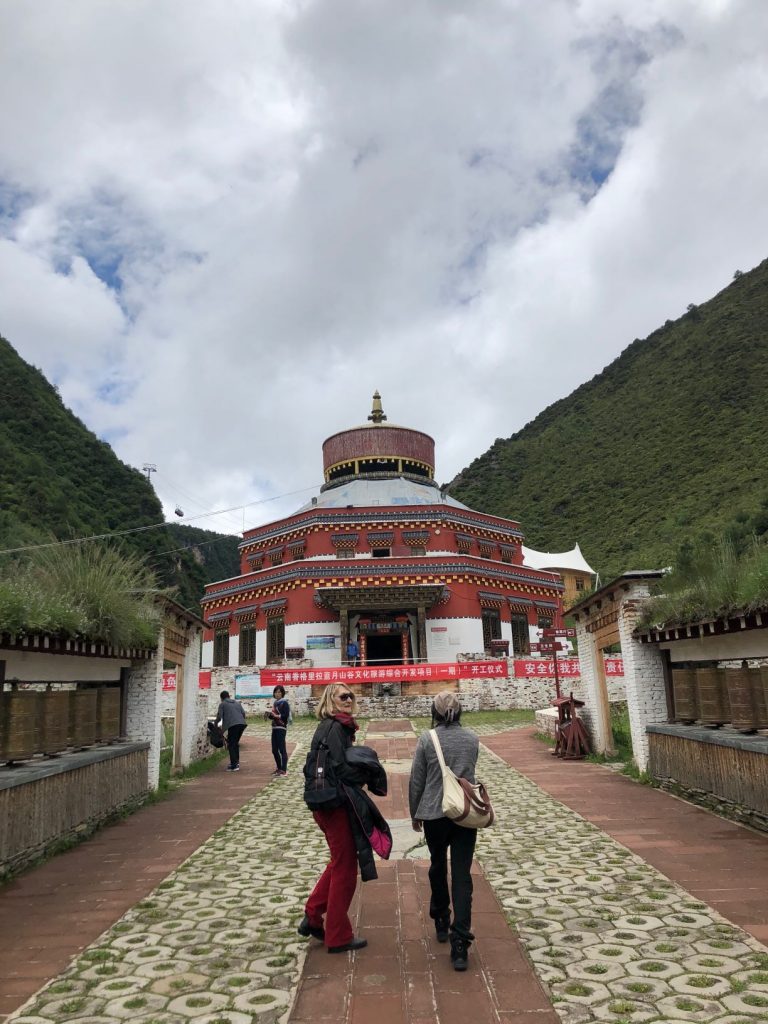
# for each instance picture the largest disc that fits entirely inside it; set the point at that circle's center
(85, 591)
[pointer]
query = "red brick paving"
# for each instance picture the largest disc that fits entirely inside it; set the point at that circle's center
(404, 976)
(51, 913)
(721, 863)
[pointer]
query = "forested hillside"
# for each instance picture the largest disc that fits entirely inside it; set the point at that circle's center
(57, 479)
(668, 443)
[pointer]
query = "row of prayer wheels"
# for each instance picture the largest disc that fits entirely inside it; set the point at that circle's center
(50, 721)
(714, 696)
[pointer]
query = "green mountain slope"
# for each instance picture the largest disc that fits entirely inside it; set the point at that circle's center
(669, 442)
(58, 479)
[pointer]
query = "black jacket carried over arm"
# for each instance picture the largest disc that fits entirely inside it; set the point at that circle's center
(354, 768)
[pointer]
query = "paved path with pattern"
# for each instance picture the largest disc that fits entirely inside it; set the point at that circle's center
(577, 913)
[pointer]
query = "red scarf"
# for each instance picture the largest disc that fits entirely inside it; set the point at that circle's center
(346, 720)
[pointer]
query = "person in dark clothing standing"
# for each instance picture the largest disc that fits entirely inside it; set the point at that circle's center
(231, 717)
(279, 715)
(425, 795)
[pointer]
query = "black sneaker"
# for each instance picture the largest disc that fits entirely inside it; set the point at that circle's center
(459, 954)
(442, 925)
(352, 944)
(306, 929)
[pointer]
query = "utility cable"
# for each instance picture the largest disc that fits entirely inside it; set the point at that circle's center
(151, 526)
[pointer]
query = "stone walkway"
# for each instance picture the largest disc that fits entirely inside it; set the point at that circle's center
(571, 913)
(51, 913)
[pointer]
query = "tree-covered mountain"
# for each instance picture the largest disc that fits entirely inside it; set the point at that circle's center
(668, 443)
(58, 480)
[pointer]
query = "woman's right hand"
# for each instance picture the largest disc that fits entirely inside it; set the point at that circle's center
(416, 825)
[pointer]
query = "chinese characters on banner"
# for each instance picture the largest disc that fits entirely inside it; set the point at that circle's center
(204, 679)
(169, 681)
(565, 667)
(385, 674)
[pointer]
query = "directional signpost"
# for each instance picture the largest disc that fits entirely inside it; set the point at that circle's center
(550, 645)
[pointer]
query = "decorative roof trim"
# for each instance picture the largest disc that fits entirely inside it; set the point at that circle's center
(379, 567)
(409, 513)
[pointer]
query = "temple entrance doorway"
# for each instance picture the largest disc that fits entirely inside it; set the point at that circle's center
(384, 650)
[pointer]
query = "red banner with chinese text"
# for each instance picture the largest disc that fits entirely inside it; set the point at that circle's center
(385, 674)
(204, 679)
(169, 681)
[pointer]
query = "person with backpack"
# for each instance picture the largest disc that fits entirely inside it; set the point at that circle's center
(326, 771)
(280, 716)
(231, 718)
(460, 748)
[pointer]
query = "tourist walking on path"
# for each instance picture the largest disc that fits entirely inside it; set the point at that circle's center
(279, 715)
(425, 796)
(327, 773)
(231, 717)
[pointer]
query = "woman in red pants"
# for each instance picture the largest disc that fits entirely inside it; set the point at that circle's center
(335, 888)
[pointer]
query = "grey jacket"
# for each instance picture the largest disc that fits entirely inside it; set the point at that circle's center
(460, 747)
(230, 713)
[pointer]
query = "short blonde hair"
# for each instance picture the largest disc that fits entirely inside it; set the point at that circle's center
(325, 708)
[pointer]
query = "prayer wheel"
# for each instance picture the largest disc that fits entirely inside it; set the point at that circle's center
(108, 713)
(684, 694)
(54, 720)
(712, 695)
(83, 708)
(21, 724)
(742, 697)
(761, 695)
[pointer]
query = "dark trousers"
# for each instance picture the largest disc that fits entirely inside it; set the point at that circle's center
(335, 888)
(443, 835)
(234, 732)
(279, 752)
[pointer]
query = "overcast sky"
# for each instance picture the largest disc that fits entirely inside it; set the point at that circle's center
(223, 225)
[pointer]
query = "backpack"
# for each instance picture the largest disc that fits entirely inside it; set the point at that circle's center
(215, 735)
(322, 790)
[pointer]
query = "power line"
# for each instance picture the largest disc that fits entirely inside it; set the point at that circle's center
(152, 526)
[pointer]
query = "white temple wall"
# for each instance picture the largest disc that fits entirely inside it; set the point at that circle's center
(447, 638)
(206, 656)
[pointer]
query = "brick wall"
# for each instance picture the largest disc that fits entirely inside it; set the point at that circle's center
(143, 710)
(643, 676)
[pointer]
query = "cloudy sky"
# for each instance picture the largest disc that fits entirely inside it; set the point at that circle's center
(222, 225)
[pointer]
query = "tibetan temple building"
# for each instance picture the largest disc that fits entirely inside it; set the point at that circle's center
(384, 558)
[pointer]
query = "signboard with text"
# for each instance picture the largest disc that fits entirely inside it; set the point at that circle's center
(251, 684)
(565, 667)
(551, 631)
(386, 674)
(169, 681)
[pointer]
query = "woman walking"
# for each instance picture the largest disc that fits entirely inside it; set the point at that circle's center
(425, 795)
(279, 715)
(335, 888)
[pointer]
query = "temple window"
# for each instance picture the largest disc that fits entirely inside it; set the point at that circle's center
(491, 626)
(507, 553)
(247, 644)
(463, 542)
(487, 548)
(520, 635)
(416, 550)
(276, 556)
(380, 552)
(579, 583)
(221, 647)
(544, 621)
(275, 638)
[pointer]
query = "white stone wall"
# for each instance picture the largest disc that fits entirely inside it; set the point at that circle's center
(143, 718)
(40, 667)
(462, 635)
(644, 679)
(206, 658)
(590, 688)
(193, 742)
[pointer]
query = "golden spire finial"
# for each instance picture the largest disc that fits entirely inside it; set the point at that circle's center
(377, 413)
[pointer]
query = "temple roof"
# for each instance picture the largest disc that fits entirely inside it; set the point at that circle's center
(572, 559)
(362, 493)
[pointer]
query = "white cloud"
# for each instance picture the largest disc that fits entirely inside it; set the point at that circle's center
(471, 207)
